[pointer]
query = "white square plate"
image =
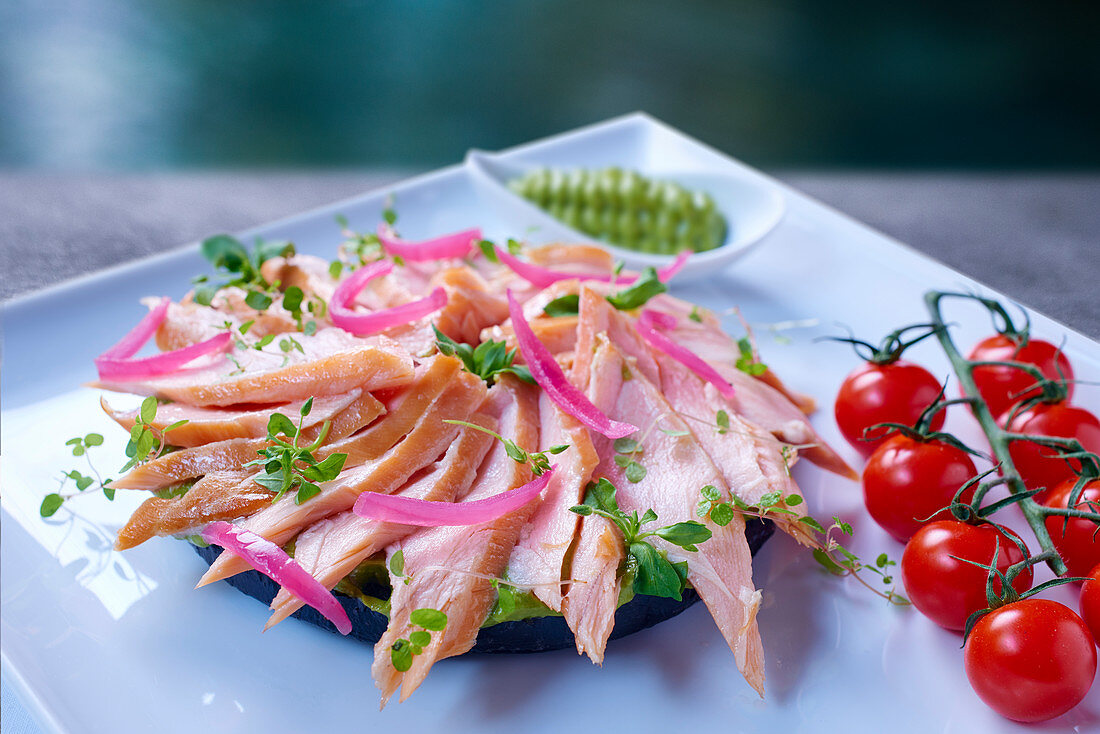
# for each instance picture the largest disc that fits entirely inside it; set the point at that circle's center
(100, 641)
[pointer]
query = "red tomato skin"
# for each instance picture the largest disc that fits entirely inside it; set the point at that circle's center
(946, 590)
(1075, 541)
(1031, 660)
(895, 393)
(1038, 465)
(1002, 387)
(1090, 603)
(906, 481)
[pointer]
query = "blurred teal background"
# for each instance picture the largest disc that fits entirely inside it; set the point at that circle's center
(155, 84)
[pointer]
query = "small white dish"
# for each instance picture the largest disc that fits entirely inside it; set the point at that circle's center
(752, 208)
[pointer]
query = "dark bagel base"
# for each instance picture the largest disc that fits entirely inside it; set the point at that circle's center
(526, 635)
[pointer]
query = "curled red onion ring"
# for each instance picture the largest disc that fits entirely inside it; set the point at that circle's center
(365, 324)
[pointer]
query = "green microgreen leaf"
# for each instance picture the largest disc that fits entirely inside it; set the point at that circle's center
(257, 300)
(51, 503)
(655, 575)
(429, 619)
(420, 638)
(627, 446)
(721, 514)
(635, 472)
(401, 655)
(637, 295)
(148, 411)
(747, 361)
(397, 563)
(563, 306)
(722, 420)
(685, 534)
(489, 250)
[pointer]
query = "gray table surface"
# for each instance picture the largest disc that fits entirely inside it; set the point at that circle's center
(1036, 238)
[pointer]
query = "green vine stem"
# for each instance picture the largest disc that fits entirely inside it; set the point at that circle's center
(999, 438)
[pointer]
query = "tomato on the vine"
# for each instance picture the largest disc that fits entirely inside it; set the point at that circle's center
(1078, 540)
(1090, 603)
(896, 392)
(1040, 466)
(907, 481)
(1002, 386)
(945, 589)
(1030, 660)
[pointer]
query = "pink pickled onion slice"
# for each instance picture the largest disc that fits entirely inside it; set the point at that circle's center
(273, 562)
(160, 364)
(426, 513)
(116, 362)
(129, 345)
(545, 277)
(365, 324)
(665, 274)
(549, 376)
(686, 357)
(439, 248)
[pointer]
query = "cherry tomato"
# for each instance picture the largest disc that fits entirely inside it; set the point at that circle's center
(944, 589)
(1077, 541)
(1002, 387)
(1090, 603)
(1030, 660)
(907, 480)
(1039, 465)
(879, 393)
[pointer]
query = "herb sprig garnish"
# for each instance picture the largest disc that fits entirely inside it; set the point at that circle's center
(638, 294)
(357, 249)
(146, 443)
(289, 466)
(487, 360)
(827, 550)
(232, 259)
(748, 361)
(538, 460)
(627, 451)
(403, 649)
(655, 575)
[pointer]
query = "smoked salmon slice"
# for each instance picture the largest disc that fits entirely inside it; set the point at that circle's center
(676, 469)
(208, 425)
(179, 466)
(331, 362)
(428, 439)
(219, 495)
(333, 547)
(538, 560)
(450, 568)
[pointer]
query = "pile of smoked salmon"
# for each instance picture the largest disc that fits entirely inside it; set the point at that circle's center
(383, 399)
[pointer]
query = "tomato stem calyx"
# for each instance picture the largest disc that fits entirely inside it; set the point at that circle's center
(892, 346)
